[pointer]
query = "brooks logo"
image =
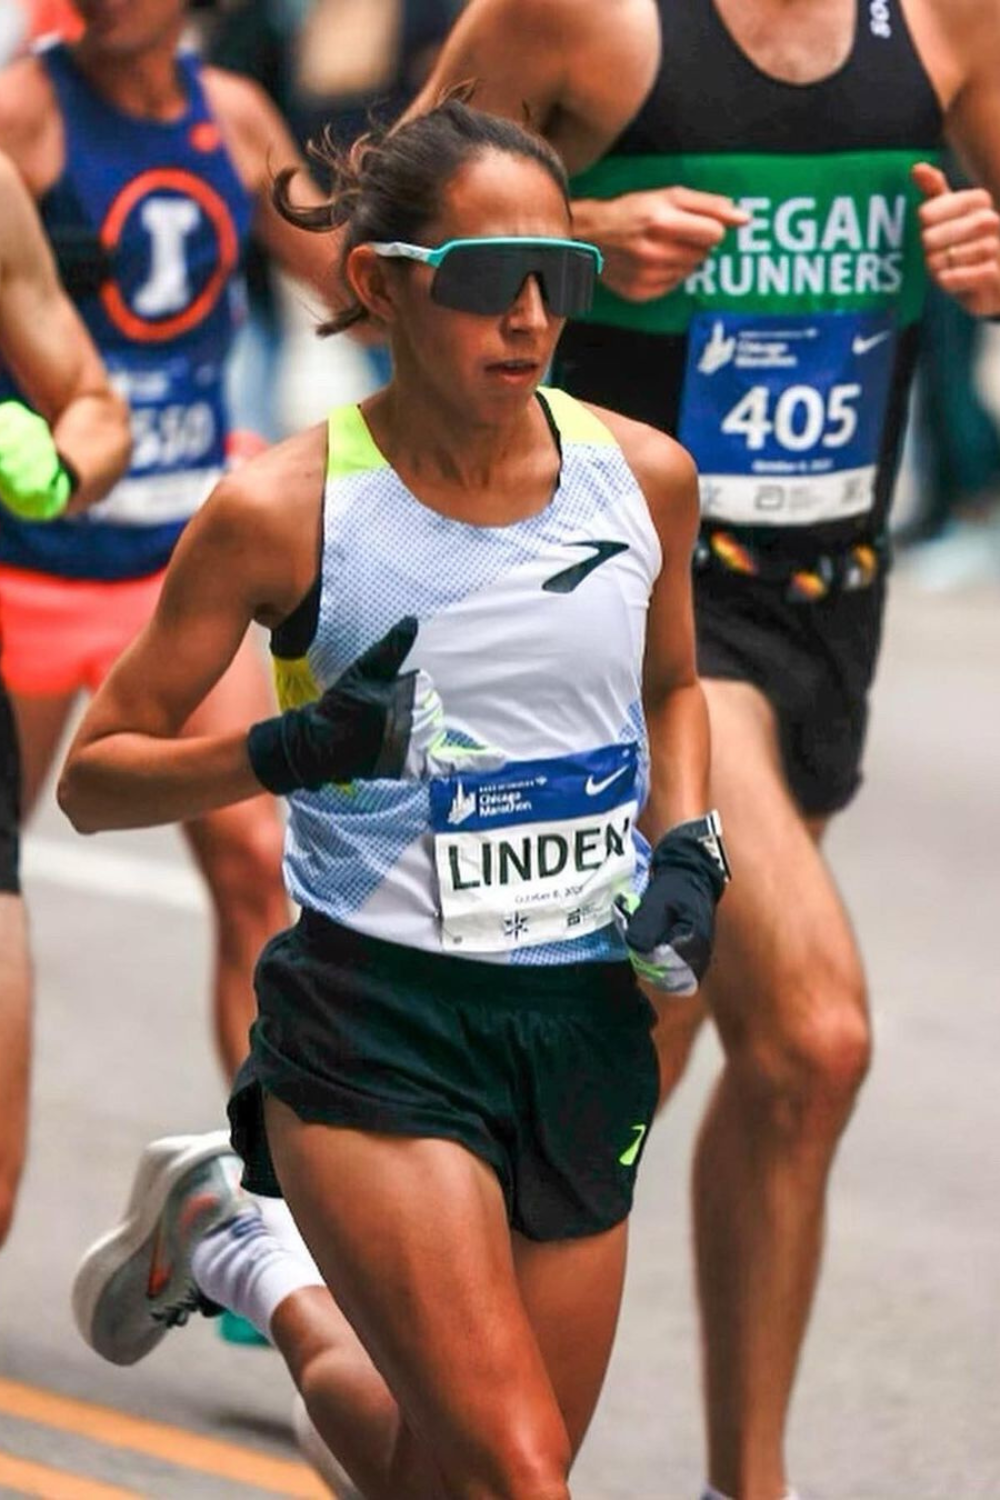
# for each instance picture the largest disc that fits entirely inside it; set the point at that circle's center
(571, 578)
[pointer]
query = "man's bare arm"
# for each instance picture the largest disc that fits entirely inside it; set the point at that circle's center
(961, 230)
(49, 352)
(261, 146)
(574, 70)
(579, 72)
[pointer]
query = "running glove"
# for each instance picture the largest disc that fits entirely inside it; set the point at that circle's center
(669, 931)
(35, 483)
(372, 722)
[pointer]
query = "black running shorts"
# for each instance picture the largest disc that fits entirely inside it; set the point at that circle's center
(10, 797)
(813, 661)
(547, 1073)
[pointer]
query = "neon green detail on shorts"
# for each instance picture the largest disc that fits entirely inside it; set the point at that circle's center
(575, 422)
(630, 1155)
(828, 232)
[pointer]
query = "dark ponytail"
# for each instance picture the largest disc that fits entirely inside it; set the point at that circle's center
(391, 182)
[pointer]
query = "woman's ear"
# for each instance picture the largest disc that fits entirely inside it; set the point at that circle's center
(368, 278)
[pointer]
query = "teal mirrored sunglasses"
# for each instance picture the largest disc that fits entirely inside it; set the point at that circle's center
(485, 275)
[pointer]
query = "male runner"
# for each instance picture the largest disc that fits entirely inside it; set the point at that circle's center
(148, 171)
(753, 171)
(49, 464)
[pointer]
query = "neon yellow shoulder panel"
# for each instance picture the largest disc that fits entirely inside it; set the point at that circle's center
(576, 423)
(294, 683)
(350, 447)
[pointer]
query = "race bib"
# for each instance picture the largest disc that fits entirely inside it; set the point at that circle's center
(536, 852)
(178, 443)
(784, 415)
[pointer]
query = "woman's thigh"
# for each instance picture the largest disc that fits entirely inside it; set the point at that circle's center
(412, 1238)
(572, 1291)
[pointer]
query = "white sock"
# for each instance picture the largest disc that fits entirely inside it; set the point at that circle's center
(278, 1218)
(245, 1268)
(708, 1493)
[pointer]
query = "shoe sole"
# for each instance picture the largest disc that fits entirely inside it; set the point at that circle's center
(162, 1163)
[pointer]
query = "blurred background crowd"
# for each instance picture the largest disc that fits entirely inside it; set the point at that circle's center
(333, 62)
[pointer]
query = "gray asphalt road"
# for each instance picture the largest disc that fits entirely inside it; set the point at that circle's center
(897, 1398)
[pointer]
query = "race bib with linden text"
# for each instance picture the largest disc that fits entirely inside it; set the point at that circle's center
(534, 853)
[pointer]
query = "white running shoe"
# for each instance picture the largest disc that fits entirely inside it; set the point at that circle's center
(135, 1282)
(312, 1447)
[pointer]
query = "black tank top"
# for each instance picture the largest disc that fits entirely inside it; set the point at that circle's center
(784, 362)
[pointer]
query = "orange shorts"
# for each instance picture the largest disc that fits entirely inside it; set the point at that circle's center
(59, 635)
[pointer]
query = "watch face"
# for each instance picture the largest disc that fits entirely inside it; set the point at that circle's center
(708, 832)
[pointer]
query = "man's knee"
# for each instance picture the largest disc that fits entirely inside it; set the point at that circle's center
(806, 1069)
(242, 864)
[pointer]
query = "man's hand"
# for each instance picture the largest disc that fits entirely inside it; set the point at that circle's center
(34, 482)
(960, 231)
(653, 240)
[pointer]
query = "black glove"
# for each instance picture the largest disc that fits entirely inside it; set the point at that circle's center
(670, 931)
(360, 728)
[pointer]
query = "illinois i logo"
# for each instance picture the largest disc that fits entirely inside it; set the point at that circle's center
(191, 251)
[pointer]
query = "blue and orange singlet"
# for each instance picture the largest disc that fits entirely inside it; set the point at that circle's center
(148, 221)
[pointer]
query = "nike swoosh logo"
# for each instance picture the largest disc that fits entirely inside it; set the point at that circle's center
(629, 1155)
(161, 1266)
(594, 788)
(571, 578)
(861, 345)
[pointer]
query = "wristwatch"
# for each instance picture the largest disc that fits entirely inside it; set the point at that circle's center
(707, 831)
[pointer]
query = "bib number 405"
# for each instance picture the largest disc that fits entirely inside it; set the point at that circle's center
(800, 419)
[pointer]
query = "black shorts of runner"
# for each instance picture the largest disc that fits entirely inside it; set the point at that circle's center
(813, 661)
(10, 798)
(548, 1073)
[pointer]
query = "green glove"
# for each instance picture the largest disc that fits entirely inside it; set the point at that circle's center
(34, 481)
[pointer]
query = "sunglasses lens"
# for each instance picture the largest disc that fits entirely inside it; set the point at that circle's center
(486, 279)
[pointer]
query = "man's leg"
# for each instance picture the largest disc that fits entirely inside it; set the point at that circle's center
(787, 993)
(41, 724)
(238, 850)
(15, 1050)
(15, 977)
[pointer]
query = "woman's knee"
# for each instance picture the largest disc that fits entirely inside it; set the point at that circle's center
(527, 1460)
(532, 1473)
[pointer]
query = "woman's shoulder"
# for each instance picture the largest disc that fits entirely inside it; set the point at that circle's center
(652, 455)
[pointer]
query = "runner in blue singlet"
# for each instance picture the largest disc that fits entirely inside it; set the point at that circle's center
(148, 170)
(61, 461)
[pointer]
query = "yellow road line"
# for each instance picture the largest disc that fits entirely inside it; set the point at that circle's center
(174, 1445)
(55, 1484)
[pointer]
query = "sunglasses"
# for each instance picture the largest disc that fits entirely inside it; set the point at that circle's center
(485, 275)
